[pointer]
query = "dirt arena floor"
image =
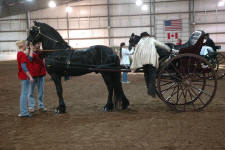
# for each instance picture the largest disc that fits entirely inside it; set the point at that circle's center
(148, 124)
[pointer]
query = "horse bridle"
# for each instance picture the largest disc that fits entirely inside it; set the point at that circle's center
(39, 33)
(133, 38)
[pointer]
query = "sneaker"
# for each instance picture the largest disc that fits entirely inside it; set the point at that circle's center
(29, 115)
(126, 82)
(43, 109)
(31, 110)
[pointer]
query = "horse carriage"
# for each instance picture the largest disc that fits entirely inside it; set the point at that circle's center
(186, 81)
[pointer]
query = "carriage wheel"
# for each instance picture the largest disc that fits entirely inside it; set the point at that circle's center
(187, 82)
(220, 68)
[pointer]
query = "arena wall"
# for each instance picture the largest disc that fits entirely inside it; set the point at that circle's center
(110, 22)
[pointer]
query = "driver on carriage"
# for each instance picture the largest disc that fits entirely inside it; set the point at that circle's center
(208, 46)
(146, 56)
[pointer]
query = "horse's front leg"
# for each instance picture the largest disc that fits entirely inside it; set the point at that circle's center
(57, 80)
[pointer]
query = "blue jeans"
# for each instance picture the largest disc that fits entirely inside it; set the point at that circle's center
(125, 77)
(25, 86)
(39, 81)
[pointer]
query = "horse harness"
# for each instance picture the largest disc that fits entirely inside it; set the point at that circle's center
(46, 36)
(68, 58)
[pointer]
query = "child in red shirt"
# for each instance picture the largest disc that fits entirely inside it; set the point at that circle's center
(38, 72)
(25, 77)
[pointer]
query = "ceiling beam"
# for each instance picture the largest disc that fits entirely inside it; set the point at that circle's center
(15, 7)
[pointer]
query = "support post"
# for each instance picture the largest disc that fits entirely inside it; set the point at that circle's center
(68, 27)
(27, 21)
(109, 23)
(150, 13)
(152, 18)
(191, 16)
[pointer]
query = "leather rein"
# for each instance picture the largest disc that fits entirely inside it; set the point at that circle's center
(48, 37)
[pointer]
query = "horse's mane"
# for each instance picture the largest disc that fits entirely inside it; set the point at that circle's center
(53, 33)
(134, 39)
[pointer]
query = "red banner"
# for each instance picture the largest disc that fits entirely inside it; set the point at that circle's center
(168, 36)
(176, 35)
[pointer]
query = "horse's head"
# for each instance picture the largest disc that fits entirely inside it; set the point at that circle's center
(34, 34)
(134, 39)
(47, 35)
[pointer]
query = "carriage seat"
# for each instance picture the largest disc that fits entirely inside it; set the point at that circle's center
(185, 45)
(195, 37)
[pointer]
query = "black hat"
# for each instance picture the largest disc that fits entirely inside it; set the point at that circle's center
(144, 34)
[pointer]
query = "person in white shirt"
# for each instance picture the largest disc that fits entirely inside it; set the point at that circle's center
(146, 56)
(125, 60)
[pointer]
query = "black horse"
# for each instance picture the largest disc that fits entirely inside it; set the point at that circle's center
(150, 71)
(61, 60)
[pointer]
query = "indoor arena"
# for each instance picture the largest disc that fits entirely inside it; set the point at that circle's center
(112, 75)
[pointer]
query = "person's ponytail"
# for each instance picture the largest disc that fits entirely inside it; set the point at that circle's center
(121, 46)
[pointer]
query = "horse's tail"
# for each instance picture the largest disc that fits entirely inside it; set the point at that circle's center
(119, 97)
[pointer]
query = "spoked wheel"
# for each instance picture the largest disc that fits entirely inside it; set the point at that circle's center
(220, 68)
(187, 82)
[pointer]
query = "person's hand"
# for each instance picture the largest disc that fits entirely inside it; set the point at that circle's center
(31, 50)
(31, 80)
(31, 47)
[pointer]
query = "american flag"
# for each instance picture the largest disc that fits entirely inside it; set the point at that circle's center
(173, 25)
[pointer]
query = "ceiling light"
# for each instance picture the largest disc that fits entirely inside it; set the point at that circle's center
(68, 9)
(52, 4)
(144, 7)
(139, 2)
(29, 0)
(221, 4)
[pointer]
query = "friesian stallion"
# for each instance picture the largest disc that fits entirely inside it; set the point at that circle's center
(61, 61)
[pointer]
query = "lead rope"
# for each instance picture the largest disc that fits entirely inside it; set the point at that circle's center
(48, 37)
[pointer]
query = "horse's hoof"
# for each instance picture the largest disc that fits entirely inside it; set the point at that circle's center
(125, 105)
(106, 109)
(60, 111)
